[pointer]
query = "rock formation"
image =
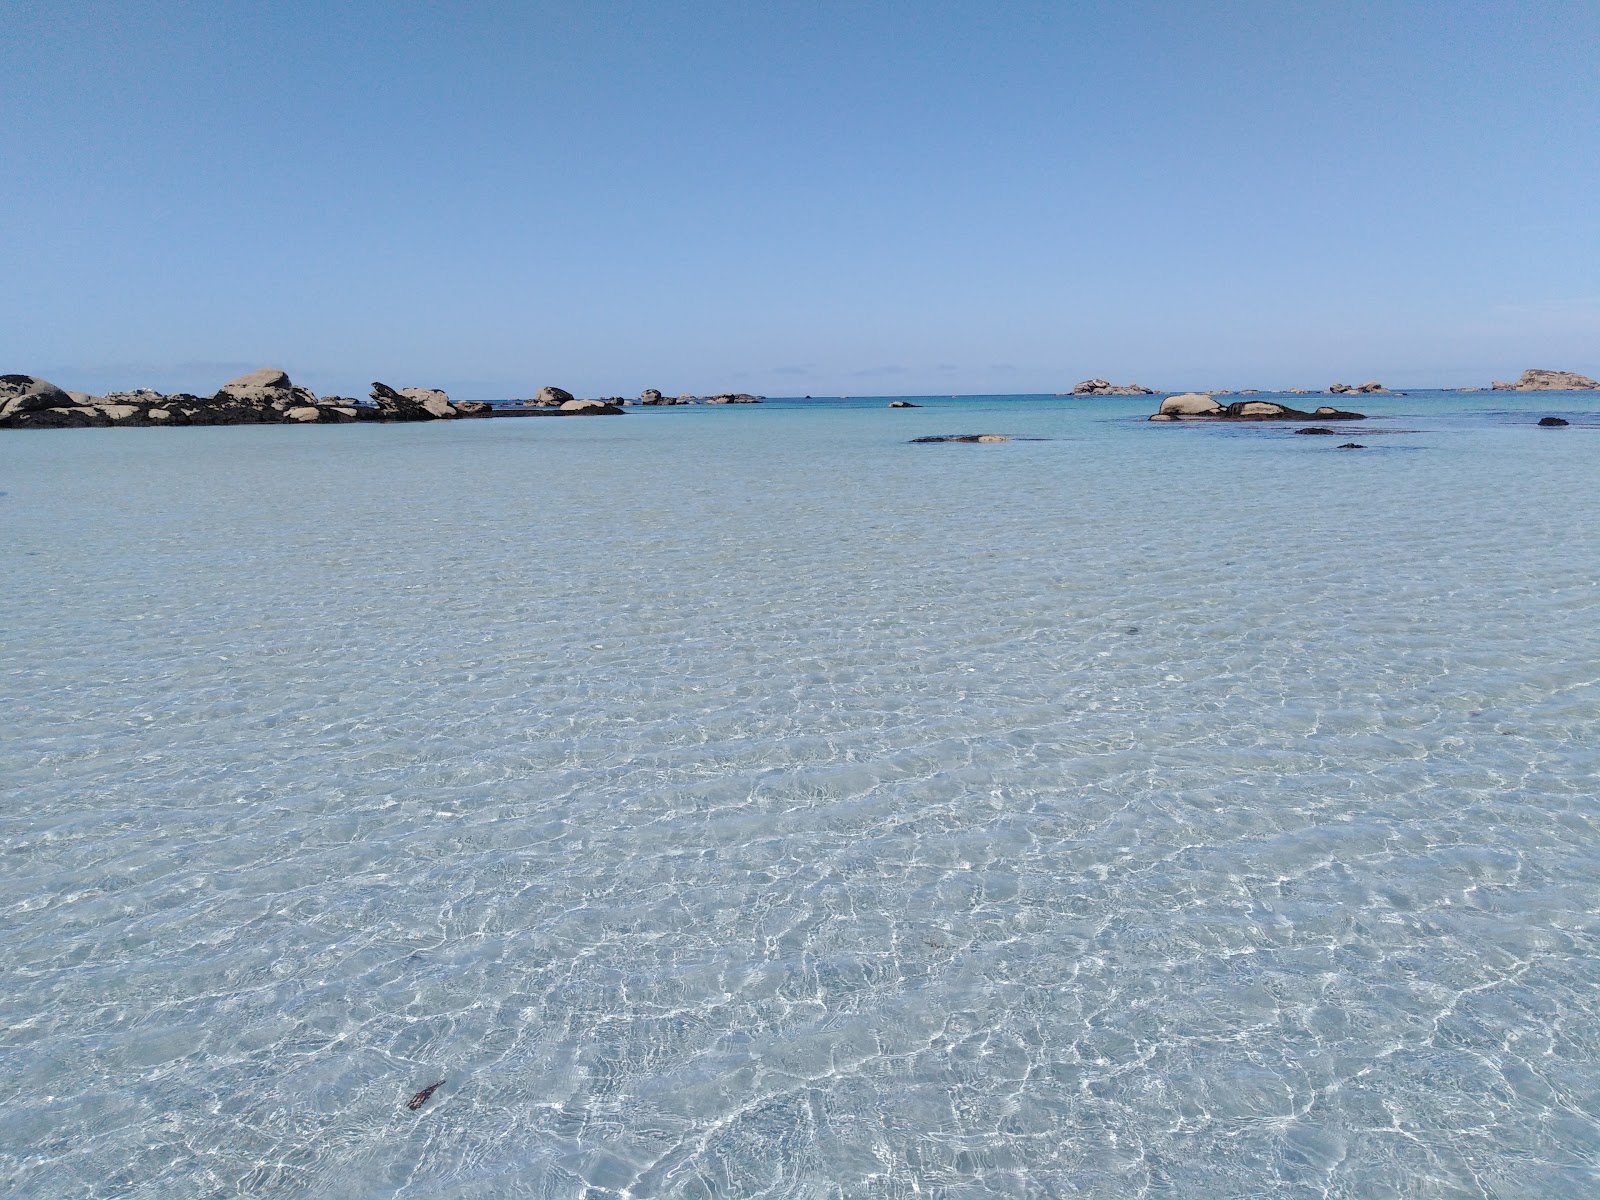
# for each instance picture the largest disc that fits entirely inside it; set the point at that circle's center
(1100, 387)
(552, 397)
(1190, 404)
(1366, 389)
(963, 437)
(1534, 380)
(593, 408)
(1553, 422)
(265, 397)
(903, 404)
(1195, 406)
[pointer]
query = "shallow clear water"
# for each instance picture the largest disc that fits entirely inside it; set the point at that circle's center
(743, 801)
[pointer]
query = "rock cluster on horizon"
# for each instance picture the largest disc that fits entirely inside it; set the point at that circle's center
(1535, 380)
(264, 397)
(1365, 389)
(1101, 387)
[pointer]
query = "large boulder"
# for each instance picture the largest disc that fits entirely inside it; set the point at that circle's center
(268, 386)
(1534, 380)
(412, 404)
(1189, 404)
(27, 393)
(650, 396)
(552, 397)
(1102, 387)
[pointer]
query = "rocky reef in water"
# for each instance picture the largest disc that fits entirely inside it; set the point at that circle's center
(264, 397)
(1101, 387)
(1198, 406)
(1534, 380)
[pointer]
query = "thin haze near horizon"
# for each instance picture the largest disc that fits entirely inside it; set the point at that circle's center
(787, 198)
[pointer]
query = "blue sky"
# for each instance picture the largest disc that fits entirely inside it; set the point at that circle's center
(789, 198)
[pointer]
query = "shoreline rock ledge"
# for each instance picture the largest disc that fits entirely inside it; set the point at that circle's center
(264, 397)
(1534, 380)
(1197, 406)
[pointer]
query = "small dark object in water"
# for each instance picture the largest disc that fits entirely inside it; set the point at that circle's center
(421, 1097)
(1552, 422)
(1352, 446)
(963, 437)
(903, 404)
(1315, 429)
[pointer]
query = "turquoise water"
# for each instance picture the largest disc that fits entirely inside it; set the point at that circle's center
(743, 801)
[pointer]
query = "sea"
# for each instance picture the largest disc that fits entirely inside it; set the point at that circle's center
(750, 801)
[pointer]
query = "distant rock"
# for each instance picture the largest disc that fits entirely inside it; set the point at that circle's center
(1553, 422)
(552, 397)
(963, 437)
(1101, 387)
(1534, 380)
(1369, 388)
(734, 398)
(903, 404)
(650, 396)
(591, 408)
(1315, 429)
(1352, 446)
(1297, 391)
(474, 408)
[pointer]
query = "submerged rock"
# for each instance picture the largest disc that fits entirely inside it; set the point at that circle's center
(1352, 446)
(903, 404)
(962, 437)
(1552, 422)
(1534, 380)
(1315, 429)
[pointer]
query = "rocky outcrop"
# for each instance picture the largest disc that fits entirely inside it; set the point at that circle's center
(1189, 404)
(28, 394)
(1243, 410)
(1364, 389)
(268, 386)
(1553, 422)
(734, 398)
(962, 437)
(265, 397)
(903, 404)
(650, 396)
(1316, 429)
(552, 397)
(412, 404)
(1101, 387)
(1534, 380)
(591, 408)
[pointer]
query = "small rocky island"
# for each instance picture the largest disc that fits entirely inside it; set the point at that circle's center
(1198, 406)
(1534, 380)
(1101, 387)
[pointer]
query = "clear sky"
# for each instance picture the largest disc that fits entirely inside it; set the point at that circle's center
(829, 197)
